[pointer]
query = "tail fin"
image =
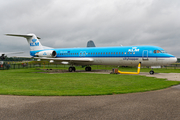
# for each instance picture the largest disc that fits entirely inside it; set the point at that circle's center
(33, 41)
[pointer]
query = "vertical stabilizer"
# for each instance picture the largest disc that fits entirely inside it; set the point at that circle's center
(33, 41)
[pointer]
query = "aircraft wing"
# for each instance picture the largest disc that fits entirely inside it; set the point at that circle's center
(3, 54)
(62, 60)
(7, 53)
(67, 59)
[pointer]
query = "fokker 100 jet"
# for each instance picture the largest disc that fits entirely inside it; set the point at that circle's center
(123, 55)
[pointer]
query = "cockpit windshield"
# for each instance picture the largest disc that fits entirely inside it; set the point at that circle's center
(160, 51)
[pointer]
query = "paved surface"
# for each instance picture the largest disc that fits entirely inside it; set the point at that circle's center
(154, 105)
(168, 76)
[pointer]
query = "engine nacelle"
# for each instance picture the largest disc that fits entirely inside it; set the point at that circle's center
(48, 53)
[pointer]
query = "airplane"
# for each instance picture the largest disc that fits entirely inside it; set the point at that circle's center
(119, 55)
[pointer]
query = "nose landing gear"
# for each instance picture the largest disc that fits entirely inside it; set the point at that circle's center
(151, 72)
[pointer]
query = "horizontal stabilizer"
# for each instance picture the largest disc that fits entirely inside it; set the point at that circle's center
(21, 35)
(18, 35)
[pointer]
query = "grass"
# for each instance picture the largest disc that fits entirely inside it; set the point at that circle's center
(31, 83)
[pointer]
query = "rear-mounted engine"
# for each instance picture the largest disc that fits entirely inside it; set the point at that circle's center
(48, 53)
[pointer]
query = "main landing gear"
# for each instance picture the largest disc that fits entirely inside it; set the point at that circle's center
(151, 72)
(71, 69)
(88, 68)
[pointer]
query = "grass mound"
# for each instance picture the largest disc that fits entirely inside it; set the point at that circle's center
(27, 82)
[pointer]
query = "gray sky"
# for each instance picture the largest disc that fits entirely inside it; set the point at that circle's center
(71, 23)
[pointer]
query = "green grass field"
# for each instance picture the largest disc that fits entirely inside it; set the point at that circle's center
(31, 82)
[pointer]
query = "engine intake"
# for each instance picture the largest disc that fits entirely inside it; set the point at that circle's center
(48, 53)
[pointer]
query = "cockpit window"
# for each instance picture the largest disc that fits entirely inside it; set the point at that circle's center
(159, 51)
(163, 51)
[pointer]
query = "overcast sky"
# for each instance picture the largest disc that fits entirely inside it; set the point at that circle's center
(71, 23)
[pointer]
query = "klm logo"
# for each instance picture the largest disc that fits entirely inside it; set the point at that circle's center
(34, 42)
(134, 49)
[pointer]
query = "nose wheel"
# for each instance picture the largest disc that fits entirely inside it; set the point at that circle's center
(151, 72)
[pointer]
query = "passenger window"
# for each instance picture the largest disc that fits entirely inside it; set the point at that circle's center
(124, 52)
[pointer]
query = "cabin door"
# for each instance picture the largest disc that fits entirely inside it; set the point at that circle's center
(145, 55)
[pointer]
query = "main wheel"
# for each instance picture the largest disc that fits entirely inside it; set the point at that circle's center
(70, 69)
(88, 68)
(151, 72)
(74, 69)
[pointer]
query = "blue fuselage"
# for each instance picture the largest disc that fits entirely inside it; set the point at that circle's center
(128, 55)
(128, 51)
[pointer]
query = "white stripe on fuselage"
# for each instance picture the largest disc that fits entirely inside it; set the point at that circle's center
(129, 61)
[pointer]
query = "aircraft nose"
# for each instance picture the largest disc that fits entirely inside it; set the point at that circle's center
(173, 60)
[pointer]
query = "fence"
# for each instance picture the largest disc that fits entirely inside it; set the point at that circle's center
(26, 66)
